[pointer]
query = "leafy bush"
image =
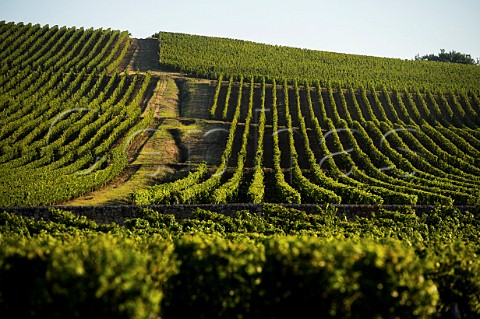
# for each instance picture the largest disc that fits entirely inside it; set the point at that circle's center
(96, 276)
(344, 279)
(216, 279)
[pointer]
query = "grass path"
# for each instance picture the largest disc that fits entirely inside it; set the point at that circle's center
(160, 155)
(152, 160)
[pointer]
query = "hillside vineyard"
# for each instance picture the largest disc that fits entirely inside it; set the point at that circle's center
(65, 111)
(302, 126)
(332, 134)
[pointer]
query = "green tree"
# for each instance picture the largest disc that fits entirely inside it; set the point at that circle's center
(452, 57)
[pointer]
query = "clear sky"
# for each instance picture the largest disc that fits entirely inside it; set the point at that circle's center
(399, 29)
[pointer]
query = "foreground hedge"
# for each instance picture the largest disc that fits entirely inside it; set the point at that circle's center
(96, 276)
(293, 277)
(396, 264)
(211, 277)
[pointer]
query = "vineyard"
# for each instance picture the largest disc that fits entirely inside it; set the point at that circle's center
(70, 112)
(65, 111)
(210, 57)
(226, 121)
(316, 141)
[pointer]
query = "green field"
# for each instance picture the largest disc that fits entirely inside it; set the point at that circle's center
(94, 117)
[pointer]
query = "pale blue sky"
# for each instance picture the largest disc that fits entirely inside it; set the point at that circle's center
(386, 28)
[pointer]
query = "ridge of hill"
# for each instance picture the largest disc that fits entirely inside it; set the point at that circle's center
(206, 56)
